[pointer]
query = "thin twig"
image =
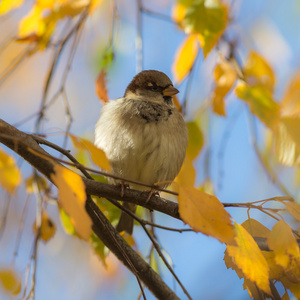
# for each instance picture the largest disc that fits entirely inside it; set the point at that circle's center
(4, 214)
(21, 228)
(154, 242)
(58, 51)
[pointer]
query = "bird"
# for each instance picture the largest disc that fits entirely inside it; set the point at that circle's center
(143, 135)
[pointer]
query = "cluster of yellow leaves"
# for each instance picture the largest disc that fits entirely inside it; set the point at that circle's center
(40, 23)
(204, 22)
(281, 264)
(206, 214)
(256, 88)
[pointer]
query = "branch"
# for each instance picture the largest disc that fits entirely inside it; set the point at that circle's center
(21, 143)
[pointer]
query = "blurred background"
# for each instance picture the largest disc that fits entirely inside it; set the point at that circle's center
(68, 268)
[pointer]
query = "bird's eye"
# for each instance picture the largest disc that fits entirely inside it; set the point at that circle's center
(153, 86)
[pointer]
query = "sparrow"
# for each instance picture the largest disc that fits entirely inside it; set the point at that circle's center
(143, 135)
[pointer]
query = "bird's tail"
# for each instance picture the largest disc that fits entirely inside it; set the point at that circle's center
(126, 221)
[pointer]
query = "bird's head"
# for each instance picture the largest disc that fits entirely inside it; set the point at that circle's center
(152, 86)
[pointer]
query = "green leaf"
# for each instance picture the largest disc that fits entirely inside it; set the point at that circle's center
(99, 247)
(196, 140)
(65, 219)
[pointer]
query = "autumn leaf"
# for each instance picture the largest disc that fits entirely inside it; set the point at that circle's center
(35, 179)
(205, 213)
(8, 5)
(40, 23)
(185, 57)
(290, 103)
(225, 77)
(99, 247)
(286, 250)
(249, 258)
(32, 23)
(256, 229)
(258, 72)
(196, 140)
(260, 102)
(293, 287)
(10, 281)
(294, 209)
(10, 175)
(97, 155)
(179, 12)
(207, 19)
(72, 197)
(48, 228)
(287, 141)
(187, 174)
(248, 284)
(101, 90)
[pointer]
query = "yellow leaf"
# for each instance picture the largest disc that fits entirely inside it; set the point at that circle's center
(10, 175)
(255, 228)
(72, 198)
(260, 102)
(276, 272)
(294, 209)
(248, 284)
(48, 228)
(293, 287)
(287, 141)
(33, 23)
(196, 140)
(205, 213)
(286, 250)
(8, 5)
(257, 71)
(185, 57)
(97, 155)
(249, 258)
(290, 103)
(35, 179)
(101, 90)
(225, 77)
(10, 281)
(178, 12)
(208, 19)
(187, 174)
(49, 4)
(94, 4)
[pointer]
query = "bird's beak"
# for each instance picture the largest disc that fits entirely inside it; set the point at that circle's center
(170, 91)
